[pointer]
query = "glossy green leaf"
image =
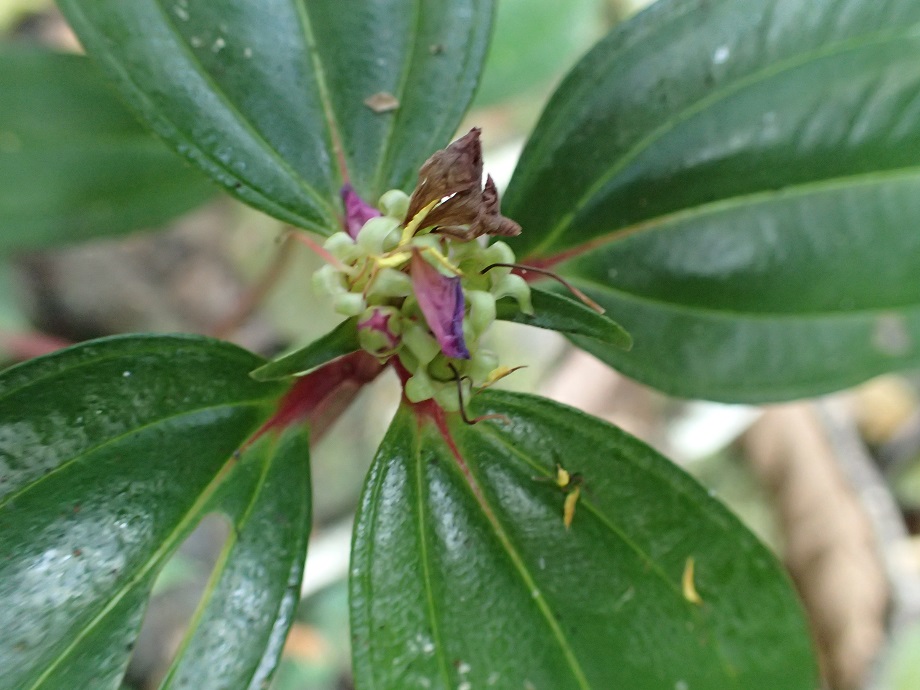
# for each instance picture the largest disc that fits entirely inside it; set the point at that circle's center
(738, 183)
(463, 574)
(258, 94)
(74, 163)
(238, 632)
(340, 341)
(566, 315)
(110, 453)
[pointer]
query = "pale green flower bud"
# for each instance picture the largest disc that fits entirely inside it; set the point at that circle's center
(421, 344)
(448, 397)
(374, 232)
(514, 286)
(498, 253)
(342, 247)
(391, 283)
(349, 303)
(329, 281)
(482, 310)
(379, 330)
(419, 387)
(395, 203)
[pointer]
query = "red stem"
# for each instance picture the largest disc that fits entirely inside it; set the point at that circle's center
(320, 397)
(23, 346)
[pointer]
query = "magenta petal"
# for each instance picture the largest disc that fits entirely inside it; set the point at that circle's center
(357, 211)
(441, 301)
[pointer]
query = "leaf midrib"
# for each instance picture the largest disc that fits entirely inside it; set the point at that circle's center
(771, 70)
(196, 154)
(233, 110)
(165, 548)
(746, 200)
(424, 558)
(473, 484)
(222, 562)
(407, 67)
(592, 284)
(121, 437)
(646, 559)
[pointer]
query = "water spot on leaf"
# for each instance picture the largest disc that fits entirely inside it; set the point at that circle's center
(720, 56)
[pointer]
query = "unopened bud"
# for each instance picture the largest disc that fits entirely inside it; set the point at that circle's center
(374, 233)
(380, 330)
(514, 286)
(395, 203)
(349, 303)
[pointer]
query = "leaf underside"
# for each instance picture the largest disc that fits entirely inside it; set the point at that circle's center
(739, 185)
(465, 576)
(340, 341)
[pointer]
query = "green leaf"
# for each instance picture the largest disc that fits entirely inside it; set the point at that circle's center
(238, 632)
(739, 186)
(340, 341)
(463, 574)
(258, 94)
(74, 163)
(559, 313)
(110, 453)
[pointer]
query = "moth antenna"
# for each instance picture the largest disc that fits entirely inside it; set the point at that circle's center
(587, 301)
(463, 415)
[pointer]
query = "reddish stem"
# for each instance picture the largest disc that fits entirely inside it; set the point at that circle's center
(429, 409)
(320, 397)
(23, 346)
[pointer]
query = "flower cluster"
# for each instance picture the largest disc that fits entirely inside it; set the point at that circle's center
(420, 281)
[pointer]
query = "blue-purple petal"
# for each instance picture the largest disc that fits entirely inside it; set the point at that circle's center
(441, 300)
(357, 211)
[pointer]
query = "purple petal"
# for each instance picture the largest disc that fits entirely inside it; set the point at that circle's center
(441, 301)
(357, 211)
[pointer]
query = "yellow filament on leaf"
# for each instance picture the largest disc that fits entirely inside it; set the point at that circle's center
(688, 586)
(568, 508)
(563, 478)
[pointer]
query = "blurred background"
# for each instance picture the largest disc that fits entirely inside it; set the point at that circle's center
(833, 486)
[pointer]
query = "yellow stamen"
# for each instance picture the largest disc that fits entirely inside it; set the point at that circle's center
(442, 260)
(413, 225)
(393, 259)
